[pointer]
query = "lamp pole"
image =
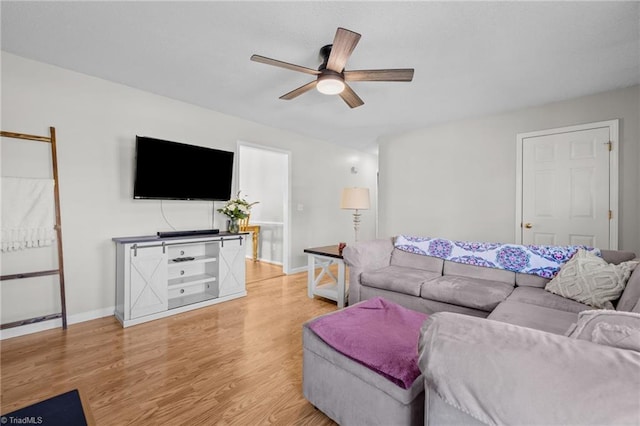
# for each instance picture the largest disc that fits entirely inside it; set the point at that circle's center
(356, 222)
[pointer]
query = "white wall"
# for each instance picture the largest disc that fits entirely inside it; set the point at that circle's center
(263, 177)
(456, 180)
(96, 123)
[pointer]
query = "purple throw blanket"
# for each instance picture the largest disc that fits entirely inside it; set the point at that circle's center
(378, 334)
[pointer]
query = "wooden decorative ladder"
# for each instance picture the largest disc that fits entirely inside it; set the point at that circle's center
(58, 227)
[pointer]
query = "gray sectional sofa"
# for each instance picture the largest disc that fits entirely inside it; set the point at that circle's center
(517, 369)
(429, 284)
(500, 373)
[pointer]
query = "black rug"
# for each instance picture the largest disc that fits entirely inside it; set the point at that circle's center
(63, 410)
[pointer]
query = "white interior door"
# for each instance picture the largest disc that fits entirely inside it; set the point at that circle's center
(566, 186)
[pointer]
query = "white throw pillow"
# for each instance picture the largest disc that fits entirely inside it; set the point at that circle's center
(610, 328)
(589, 279)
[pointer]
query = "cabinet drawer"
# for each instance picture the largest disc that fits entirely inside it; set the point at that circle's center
(187, 290)
(185, 269)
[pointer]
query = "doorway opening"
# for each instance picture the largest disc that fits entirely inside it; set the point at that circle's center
(264, 176)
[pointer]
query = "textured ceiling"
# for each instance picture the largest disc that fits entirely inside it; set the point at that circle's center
(471, 58)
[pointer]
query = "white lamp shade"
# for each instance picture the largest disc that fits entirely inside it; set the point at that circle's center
(355, 198)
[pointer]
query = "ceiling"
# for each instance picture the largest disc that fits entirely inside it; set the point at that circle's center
(470, 58)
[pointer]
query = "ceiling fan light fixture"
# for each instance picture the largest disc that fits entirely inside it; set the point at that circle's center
(331, 74)
(330, 84)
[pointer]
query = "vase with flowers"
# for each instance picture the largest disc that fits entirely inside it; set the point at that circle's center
(236, 209)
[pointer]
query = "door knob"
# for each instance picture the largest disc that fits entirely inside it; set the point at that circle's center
(528, 225)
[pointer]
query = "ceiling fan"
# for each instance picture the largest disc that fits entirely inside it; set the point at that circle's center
(331, 76)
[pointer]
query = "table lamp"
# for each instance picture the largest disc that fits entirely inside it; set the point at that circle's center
(355, 199)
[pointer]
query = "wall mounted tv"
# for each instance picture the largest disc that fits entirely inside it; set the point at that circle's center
(175, 171)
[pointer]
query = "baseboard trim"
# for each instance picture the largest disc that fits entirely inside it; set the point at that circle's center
(271, 262)
(298, 270)
(56, 323)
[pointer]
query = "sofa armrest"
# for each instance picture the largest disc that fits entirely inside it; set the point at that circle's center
(500, 373)
(630, 298)
(365, 256)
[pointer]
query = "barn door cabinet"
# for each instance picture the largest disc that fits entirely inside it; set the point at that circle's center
(157, 277)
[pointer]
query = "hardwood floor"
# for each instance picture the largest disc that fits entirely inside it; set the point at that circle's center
(238, 362)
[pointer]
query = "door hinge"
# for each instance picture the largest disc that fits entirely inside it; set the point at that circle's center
(610, 145)
(610, 215)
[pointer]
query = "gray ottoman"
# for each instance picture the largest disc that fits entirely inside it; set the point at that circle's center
(352, 394)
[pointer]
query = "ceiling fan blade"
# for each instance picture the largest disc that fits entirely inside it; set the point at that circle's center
(286, 65)
(404, 74)
(350, 97)
(343, 44)
(299, 91)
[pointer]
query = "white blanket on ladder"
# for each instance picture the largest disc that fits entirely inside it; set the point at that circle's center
(27, 213)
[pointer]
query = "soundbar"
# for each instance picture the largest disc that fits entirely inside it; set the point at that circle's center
(188, 233)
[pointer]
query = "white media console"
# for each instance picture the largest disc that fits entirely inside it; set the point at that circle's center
(157, 277)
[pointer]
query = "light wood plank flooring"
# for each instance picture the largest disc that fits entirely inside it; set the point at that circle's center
(238, 362)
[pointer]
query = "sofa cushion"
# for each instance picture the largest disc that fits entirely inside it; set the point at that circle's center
(484, 273)
(533, 316)
(530, 280)
(617, 256)
(611, 328)
(416, 261)
(590, 279)
(397, 278)
(464, 291)
(540, 297)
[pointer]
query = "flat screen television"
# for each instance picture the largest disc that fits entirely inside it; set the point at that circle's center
(176, 171)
